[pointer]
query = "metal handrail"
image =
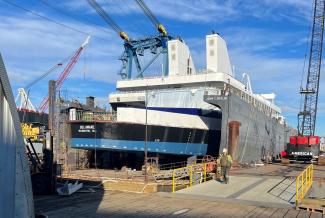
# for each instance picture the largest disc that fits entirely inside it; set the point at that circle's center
(304, 181)
(185, 174)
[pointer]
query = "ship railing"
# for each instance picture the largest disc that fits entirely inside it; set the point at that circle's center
(171, 166)
(94, 116)
(165, 171)
(199, 72)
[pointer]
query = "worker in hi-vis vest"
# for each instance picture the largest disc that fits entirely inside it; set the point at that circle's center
(225, 162)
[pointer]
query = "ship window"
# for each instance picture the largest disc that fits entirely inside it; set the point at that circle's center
(174, 57)
(173, 47)
(211, 52)
(211, 42)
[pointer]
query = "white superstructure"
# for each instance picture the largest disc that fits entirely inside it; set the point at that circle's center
(217, 55)
(185, 87)
(180, 59)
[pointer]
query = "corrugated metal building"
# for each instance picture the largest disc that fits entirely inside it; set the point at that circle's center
(16, 199)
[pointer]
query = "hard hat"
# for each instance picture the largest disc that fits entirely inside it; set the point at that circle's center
(224, 150)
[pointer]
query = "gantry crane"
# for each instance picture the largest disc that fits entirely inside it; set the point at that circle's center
(306, 144)
(44, 104)
(133, 48)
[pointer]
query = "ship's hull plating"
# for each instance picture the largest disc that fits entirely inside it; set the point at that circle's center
(260, 135)
(131, 137)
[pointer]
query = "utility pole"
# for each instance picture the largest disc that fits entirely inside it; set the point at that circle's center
(146, 139)
(52, 92)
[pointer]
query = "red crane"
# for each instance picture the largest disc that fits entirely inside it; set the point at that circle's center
(65, 73)
(306, 145)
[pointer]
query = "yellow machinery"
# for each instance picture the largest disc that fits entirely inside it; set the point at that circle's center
(30, 132)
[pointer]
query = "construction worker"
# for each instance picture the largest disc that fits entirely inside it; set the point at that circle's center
(225, 162)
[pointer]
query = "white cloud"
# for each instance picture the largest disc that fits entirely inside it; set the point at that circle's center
(31, 46)
(207, 11)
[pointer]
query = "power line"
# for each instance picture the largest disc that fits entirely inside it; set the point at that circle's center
(50, 20)
(68, 15)
(43, 17)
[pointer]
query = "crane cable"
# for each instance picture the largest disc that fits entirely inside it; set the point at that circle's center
(305, 58)
(108, 20)
(125, 8)
(147, 11)
(70, 16)
(161, 28)
(103, 14)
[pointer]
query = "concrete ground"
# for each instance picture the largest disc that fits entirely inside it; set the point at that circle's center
(279, 170)
(278, 192)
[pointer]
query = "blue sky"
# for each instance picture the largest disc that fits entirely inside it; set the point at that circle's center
(266, 39)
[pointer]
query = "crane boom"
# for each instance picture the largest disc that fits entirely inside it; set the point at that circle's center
(22, 100)
(307, 117)
(65, 73)
(28, 86)
(108, 19)
(152, 17)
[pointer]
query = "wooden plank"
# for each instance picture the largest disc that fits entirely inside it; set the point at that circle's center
(268, 212)
(303, 214)
(316, 215)
(256, 213)
(280, 212)
(292, 213)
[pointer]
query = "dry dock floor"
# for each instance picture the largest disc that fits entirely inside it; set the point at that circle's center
(124, 204)
(253, 192)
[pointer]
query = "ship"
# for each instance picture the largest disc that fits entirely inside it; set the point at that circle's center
(185, 113)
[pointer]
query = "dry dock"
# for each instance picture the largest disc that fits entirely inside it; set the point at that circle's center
(253, 192)
(123, 204)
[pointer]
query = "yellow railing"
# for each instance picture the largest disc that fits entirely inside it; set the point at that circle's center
(304, 181)
(194, 174)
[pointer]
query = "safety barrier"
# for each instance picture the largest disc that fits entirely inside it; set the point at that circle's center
(304, 181)
(190, 175)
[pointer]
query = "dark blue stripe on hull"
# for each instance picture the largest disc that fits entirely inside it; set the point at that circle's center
(126, 145)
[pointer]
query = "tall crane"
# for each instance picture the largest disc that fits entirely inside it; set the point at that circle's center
(307, 117)
(133, 48)
(44, 104)
(306, 145)
(23, 101)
